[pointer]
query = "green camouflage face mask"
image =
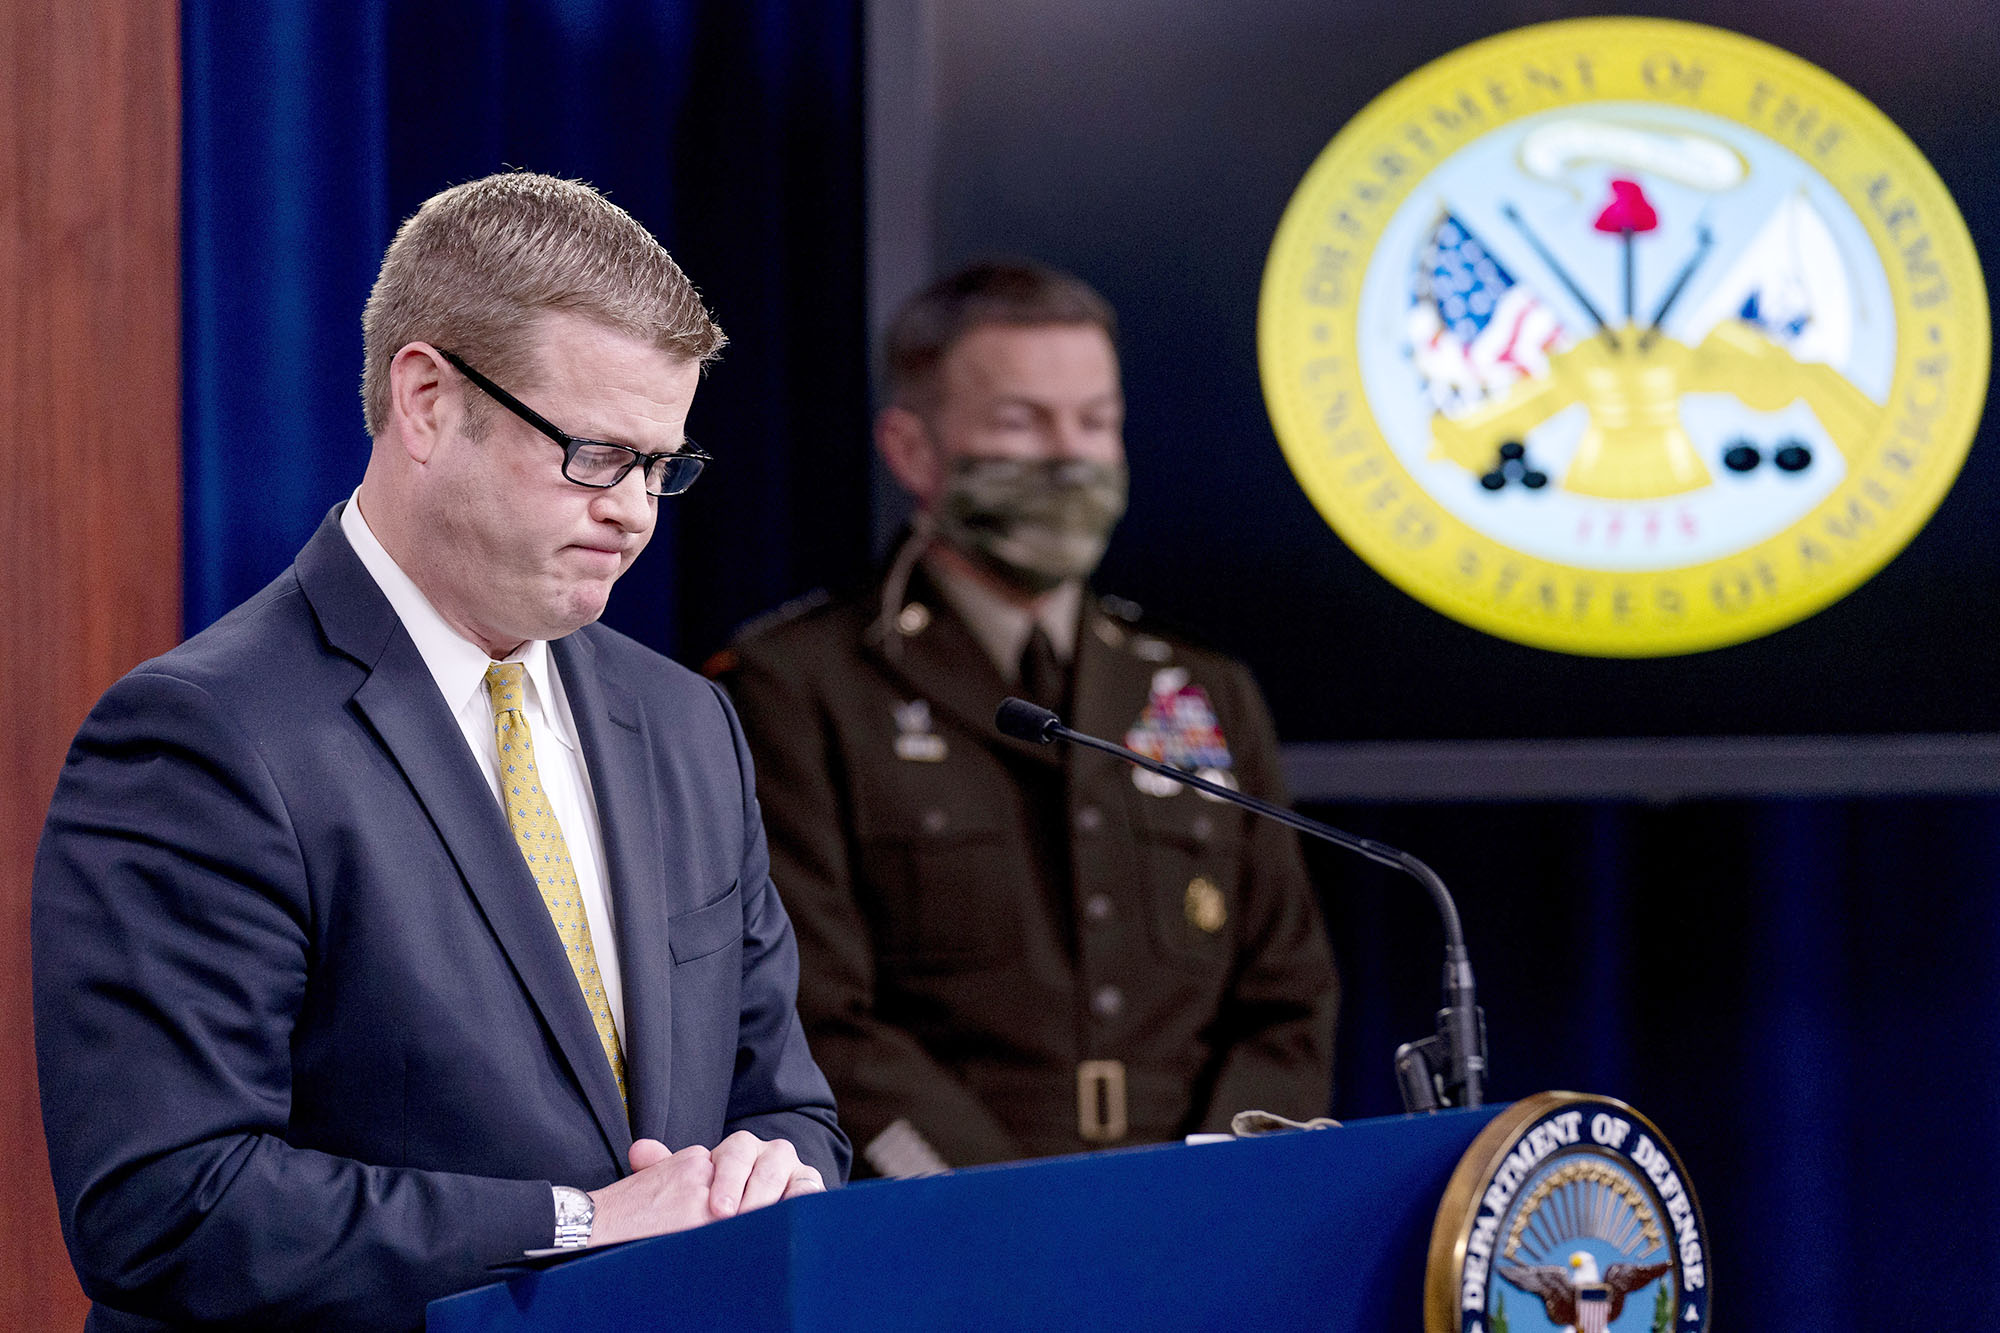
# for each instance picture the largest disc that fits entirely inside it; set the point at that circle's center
(1036, 523)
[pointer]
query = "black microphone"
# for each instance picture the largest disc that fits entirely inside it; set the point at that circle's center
(1028, 722)
(1448, 1069)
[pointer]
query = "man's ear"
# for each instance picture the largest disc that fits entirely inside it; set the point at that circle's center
(417, 406)
(911, 453)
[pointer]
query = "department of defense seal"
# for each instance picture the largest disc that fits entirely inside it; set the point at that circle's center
(1568, 1212)
(1624, 337)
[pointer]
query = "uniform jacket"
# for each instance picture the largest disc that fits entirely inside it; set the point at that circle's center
(310, 1050)
(977, 917)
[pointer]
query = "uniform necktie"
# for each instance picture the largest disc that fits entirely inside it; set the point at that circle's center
(540, 839)
(1043, 680)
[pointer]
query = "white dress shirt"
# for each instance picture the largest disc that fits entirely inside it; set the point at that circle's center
(459, 668)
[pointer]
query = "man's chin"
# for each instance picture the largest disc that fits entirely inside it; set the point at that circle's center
(580, 616)
(561, 618)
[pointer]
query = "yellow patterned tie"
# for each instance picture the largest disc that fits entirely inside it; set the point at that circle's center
(541, 841)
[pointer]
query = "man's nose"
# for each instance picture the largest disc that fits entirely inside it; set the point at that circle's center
(627, 504)
(1069, 438)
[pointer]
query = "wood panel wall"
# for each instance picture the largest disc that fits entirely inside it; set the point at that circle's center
(90, 479)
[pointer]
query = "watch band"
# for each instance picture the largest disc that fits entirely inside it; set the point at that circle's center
(574, 1214)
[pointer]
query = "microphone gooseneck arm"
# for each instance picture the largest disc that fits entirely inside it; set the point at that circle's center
(1448, 1069)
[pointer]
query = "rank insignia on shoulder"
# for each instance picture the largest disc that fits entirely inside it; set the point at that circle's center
(915, 740)
(1178, 727)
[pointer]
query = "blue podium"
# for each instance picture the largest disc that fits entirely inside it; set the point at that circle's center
(1322, 1231)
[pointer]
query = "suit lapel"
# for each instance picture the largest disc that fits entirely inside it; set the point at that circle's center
(611, 730)
(1112, 682)
(400, 701)
(944, 663)
(1110, 689)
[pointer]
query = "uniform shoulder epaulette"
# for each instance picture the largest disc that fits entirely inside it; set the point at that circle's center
(1120, 608)
(796, 609)
(725, 660)
(1144, 634)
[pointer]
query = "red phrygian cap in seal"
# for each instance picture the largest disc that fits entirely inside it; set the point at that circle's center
(1628, 210)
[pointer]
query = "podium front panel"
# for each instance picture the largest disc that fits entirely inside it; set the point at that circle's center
(1317, 1232)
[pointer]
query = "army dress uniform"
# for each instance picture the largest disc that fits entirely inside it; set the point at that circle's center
(1011, 950)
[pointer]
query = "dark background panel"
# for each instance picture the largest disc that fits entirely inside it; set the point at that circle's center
(1152, 146)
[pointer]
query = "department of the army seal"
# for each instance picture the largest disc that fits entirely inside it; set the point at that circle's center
(1624, 337)
(1568, 1212)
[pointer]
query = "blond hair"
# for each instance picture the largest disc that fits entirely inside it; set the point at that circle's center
(474, 267)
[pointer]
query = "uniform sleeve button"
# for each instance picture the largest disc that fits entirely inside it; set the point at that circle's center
(1203, 828)
(1106, 1001)
(1089, 819)
(934, 821)
(1098, 907)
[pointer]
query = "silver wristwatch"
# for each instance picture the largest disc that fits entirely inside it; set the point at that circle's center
(574, 1214)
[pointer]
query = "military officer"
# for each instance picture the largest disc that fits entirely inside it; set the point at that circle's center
(1011, 950)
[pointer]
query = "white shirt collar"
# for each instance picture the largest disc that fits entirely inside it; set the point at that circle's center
(456, 663)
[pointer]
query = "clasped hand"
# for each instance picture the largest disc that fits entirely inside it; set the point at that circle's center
(673, 1191)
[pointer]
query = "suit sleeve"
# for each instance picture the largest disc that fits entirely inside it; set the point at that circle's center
(1279, 1014)
(882, 1073)
(779, 1091)
(172, 931)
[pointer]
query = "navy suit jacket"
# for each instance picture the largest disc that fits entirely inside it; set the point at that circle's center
(311, 1053)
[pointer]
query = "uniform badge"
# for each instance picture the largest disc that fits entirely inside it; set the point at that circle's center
(1206, 910)
(1568, 1212)
(915, 740)
(1178, 727)
(1624, 337)
(1221, 777)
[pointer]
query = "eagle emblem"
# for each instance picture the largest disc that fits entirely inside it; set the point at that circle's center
(1579, 1298)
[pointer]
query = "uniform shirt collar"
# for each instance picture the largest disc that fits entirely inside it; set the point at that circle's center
(1003, 626)
(456, 663)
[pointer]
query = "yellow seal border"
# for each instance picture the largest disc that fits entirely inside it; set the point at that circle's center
(1307, 337)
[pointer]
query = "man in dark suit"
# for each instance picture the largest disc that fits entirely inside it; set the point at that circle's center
(405, 920)
(1014, 950)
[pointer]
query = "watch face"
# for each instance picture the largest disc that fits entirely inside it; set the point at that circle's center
(574, 1214)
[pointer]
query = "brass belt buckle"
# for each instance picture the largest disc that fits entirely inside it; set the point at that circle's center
(1100, 1100)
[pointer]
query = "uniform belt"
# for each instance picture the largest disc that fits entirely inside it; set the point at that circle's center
(1100, 1101)
(1153, 1101)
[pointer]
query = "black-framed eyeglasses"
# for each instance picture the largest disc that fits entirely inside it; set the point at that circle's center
(597, 463)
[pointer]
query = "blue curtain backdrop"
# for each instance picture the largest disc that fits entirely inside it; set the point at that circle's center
(731, 128)
(1802, 994)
